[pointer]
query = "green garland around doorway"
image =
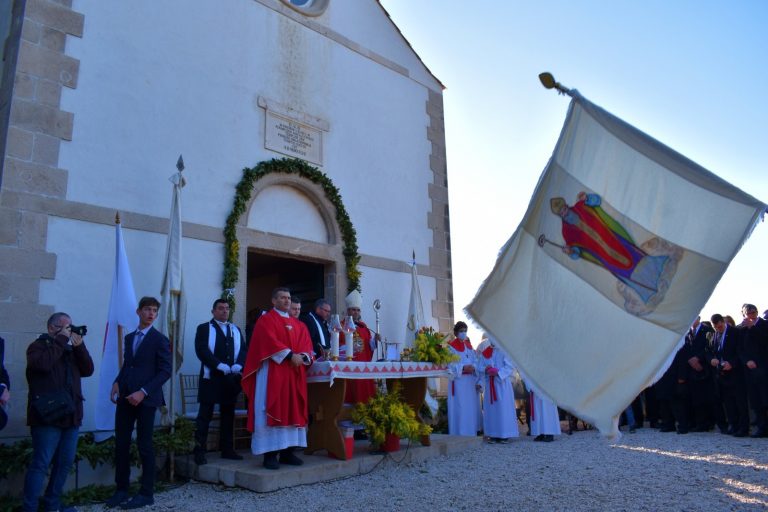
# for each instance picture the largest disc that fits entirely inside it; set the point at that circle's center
(243, 195)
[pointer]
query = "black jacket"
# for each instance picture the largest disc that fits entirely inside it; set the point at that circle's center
(314, 334)
(4, 379)
(149, 368)
(219, 388)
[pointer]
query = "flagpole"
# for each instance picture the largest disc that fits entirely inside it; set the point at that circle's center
(119, 327)
(174, 341)
(549, 82)
(172, 294)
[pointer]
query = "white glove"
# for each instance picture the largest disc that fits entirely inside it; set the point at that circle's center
(236, 368)
(224, 368)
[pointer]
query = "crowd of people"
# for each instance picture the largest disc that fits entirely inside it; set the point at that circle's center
(481, 398)
(718, 378)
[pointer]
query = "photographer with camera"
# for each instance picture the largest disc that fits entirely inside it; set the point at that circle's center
(56, 361)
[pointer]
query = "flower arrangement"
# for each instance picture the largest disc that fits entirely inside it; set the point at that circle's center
(388, 414)
(430, 346)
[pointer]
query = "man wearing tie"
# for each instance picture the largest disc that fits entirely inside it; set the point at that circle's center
(138, 392)
(730, 377)
(317, 325)
(221, 348)
(754, 355)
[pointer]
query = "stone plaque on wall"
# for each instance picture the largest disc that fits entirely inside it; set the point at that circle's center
(292, 138)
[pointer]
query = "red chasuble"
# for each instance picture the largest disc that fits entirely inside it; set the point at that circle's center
(286, 384)
(360, 391)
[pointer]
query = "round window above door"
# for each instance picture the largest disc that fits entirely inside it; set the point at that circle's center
(308, 7)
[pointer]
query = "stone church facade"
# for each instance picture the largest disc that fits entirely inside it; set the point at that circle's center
(98, 99)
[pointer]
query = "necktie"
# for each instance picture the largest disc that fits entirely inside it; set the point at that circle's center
(230, 346)
(137, 341)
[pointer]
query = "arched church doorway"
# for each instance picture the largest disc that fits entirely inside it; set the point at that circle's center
(305, 279)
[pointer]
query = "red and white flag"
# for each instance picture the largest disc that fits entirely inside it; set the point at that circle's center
(121, 318)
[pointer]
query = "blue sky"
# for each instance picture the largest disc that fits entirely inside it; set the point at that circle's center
(691, 74)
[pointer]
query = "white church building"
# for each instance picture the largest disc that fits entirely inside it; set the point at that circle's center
(99, 98)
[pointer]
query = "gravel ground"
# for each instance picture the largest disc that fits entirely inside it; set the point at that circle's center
(648, 470)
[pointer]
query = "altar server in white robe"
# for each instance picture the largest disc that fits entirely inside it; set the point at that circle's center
(499, 418)
(464, 385)
(545, 420)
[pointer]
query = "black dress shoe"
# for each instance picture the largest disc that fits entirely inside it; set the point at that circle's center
(288, 457)
(116, 499)
(138, 501)
(666, 429)
(548, 438)
(682, 431)
(741, 433)
(539, 437)
(233, 455)
(759, 433)
(270, 460)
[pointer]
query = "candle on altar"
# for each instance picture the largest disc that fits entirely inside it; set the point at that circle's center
(335, 345)
(335, 327)
(349, 331)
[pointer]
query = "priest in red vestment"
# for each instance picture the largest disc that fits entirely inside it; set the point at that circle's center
(275, 383)
(364, 346)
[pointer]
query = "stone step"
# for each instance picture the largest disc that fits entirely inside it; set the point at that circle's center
(318, 467)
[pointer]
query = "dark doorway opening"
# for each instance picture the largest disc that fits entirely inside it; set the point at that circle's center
(305, 279)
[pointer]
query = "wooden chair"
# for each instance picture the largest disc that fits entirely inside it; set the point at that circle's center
(188, 384)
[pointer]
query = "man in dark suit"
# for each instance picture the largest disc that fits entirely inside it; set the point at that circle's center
(754, 355)
(221, 348)
(5, 386)
(724, 359)
(701, 381)
(138, 392)
(317, 325)
(672, 393)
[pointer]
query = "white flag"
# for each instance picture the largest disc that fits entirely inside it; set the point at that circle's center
(623, 243)
(415, 309)
(121, 318)
(174, 303)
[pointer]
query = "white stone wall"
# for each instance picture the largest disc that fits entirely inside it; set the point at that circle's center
(184, 88)
(156, 79)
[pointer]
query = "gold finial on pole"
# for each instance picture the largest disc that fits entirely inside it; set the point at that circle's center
(117, 217)
(549, 82)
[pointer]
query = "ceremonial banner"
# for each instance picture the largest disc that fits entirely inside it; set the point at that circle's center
(174, 303)
(623, 242)
(415, 309)
(121, 319)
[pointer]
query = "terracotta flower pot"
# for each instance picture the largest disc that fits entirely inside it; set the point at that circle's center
(391, 443)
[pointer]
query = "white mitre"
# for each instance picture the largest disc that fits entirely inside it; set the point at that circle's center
(354, 300)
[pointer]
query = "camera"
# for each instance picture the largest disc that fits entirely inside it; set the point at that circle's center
(80, 330)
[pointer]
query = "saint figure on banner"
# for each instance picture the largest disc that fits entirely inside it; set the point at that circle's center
(590, 233)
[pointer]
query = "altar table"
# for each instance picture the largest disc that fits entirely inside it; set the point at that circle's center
(326, 382)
